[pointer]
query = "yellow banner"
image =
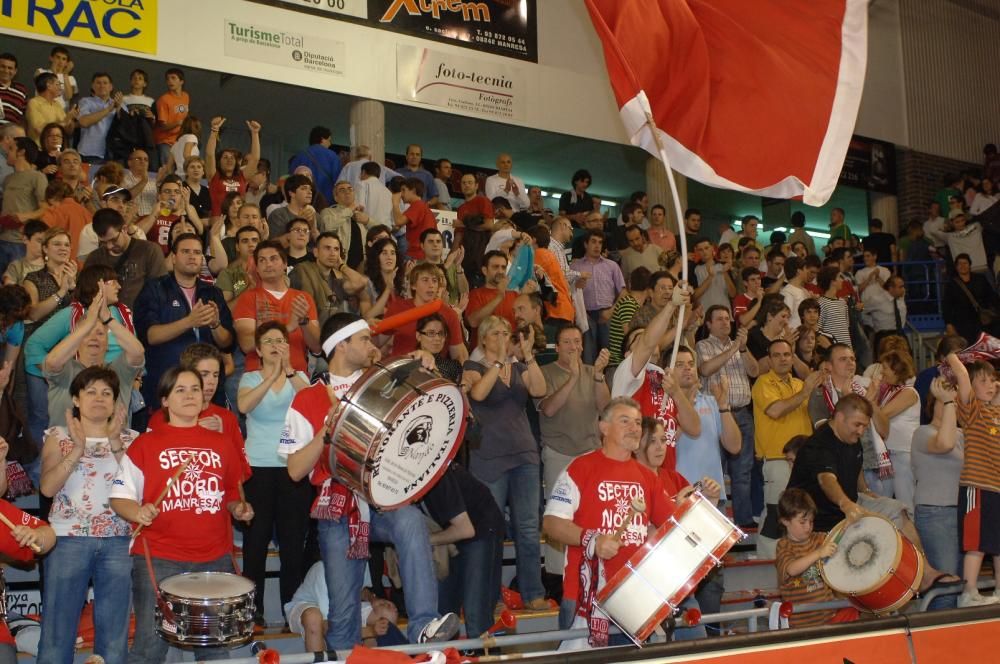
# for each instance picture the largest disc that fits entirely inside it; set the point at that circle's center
(122, 24)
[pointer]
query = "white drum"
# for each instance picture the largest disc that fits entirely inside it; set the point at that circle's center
(665, 570)
(875, 566)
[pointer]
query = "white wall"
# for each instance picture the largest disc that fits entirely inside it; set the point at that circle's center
(569, 89)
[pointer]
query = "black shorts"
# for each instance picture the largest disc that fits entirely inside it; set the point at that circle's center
(979, 520)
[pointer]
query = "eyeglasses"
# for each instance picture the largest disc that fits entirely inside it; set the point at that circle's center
(110, 242)
(435, 335)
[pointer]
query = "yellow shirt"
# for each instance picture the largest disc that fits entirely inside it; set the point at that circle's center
(770, 434)
(40, 112)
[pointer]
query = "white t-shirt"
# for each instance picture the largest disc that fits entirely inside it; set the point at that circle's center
(177, 149)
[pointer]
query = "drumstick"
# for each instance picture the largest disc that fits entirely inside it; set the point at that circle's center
(10, 524)
(163, 494)
(638, 506)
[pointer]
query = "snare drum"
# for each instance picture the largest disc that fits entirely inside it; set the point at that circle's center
(877, 568)
(396, 431)
(665, 570)
(209, 609)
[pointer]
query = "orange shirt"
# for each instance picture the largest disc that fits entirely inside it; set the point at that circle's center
(259, 305)
(170, 108)
(563, 308)
(69, 215)
(480, 297)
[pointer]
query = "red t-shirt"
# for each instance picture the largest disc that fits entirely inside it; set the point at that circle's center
(259, 305)
(480, 297)
(672, 481)
(160, 232)
(475, 205)
(595, 493)
(230, 429)
(193, 524)
(646, 388)
(218, 187)
(305, 417)
(741, 303)
(14, 551)
(418, 219)
(404, 337)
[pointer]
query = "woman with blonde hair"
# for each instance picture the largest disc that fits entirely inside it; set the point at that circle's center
(506, 459)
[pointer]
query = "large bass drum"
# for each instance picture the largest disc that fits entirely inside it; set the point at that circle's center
(875, 566)
(396, 431)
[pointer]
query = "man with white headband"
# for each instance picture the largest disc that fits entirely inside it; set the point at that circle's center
(345, 520)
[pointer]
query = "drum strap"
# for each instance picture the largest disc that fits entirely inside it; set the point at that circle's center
(165, 609)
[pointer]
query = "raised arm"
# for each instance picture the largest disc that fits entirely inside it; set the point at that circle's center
(657, 327)
(254, 155)
(212, 145)
(962, 380)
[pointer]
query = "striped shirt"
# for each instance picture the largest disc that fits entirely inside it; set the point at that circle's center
(621, 316)
(605, 282)
(13, 101)
(835, 319)
(981, 423)
(806, 587)
(735, 369)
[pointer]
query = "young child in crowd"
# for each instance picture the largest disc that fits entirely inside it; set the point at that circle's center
(979, 484)
(797, 558)
(33, 259)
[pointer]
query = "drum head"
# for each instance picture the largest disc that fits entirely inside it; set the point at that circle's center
(207, 585)
(421, 440)
(867, 550)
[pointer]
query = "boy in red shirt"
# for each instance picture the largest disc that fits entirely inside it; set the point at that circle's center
(417, 218)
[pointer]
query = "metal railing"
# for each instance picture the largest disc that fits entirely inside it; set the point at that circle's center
(752, 616)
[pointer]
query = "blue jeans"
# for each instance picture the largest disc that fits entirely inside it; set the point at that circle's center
(937, 526)
(69, 568)
(519, 488)
(147, 646)
(740, 467)
(162, 156)
(406, 530)
(473, 581)
(10, 252)
(596, 338)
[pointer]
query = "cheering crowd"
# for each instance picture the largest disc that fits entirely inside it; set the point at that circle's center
(172, 317)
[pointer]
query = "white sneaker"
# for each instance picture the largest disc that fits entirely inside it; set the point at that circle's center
(967, 599)
(439, 629)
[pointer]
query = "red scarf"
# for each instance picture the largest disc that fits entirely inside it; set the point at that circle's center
(334, 501)
(590, 576)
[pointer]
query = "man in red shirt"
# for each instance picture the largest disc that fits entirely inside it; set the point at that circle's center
(272, 299)
(475, 203)
(426, 280)
(417, 218)
(493, 299)
(591, 499)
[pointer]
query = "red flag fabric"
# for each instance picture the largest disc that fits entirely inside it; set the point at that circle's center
(757, 96)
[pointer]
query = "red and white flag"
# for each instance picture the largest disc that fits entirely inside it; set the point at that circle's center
(759, 96)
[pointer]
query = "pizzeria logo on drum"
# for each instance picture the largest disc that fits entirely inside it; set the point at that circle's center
(416, 440)
(420, 437)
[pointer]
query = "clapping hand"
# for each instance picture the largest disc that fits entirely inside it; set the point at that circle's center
(300, 308)
(601, 363)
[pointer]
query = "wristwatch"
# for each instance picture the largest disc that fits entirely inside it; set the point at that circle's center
(106, 321)
(498, 365)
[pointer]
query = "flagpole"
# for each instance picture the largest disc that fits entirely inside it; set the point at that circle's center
(682, 236)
